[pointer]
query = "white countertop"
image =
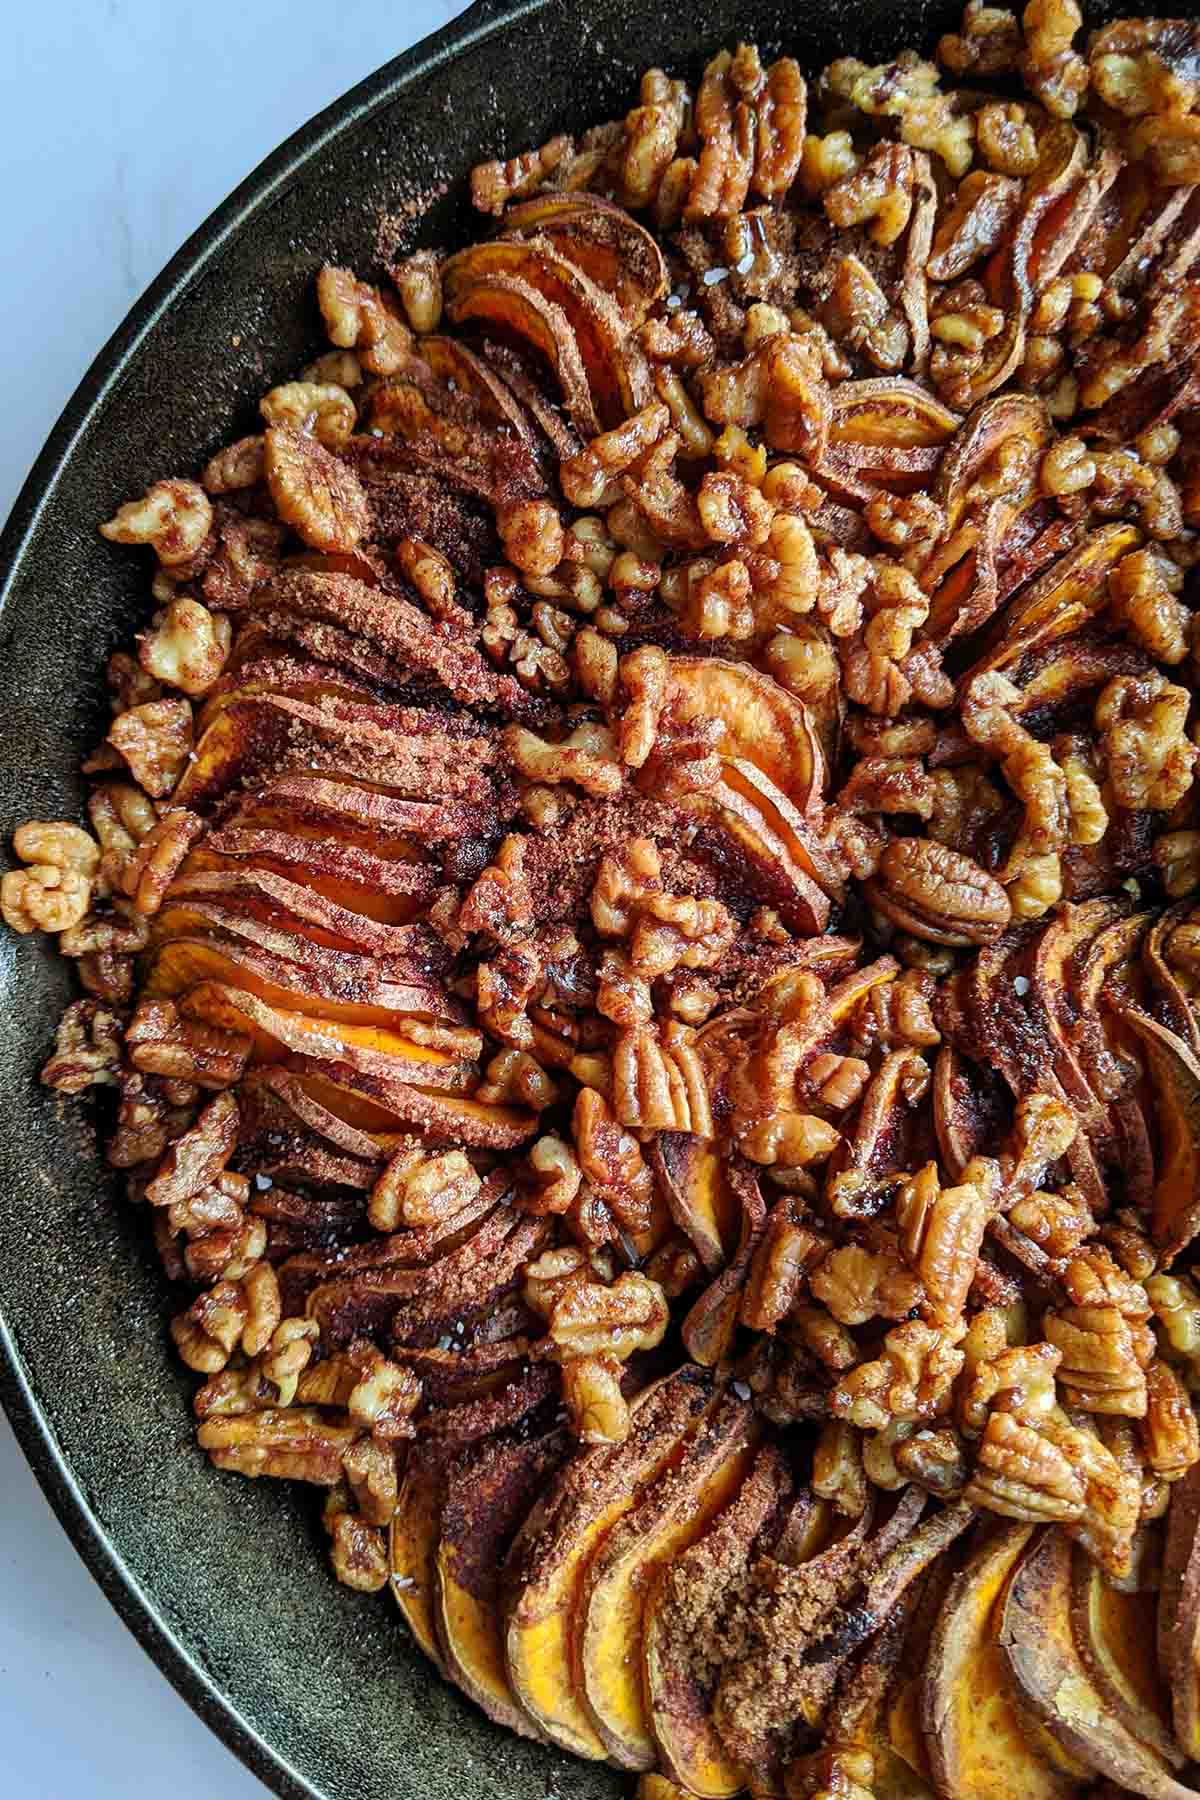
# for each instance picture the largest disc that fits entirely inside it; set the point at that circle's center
(122, 124)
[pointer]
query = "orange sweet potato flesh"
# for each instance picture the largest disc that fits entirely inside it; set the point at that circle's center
(761, 722)
(487, 1494)
(515, 309)
(1038, 1649)
(684, 1591)
(617, 372)
(601, 239)
(314, 987)
(388, 1111)
(554, 1547)
(1114, 1634)
(276, 1034)
(1175, 1078)
(1179, 1611)
(691, 1174)
(976, 1746)
(413, 1546)
(675, 1511)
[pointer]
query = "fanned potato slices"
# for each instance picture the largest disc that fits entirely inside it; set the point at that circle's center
(553, 1549)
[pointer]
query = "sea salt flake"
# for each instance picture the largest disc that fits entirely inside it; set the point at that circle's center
(1021, 984)
(741, 1390)
(263, 1182)
(746, 264)
(713, 276)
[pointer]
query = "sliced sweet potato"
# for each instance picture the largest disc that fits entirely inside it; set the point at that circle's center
(617, 371)
(552, 1550)
(976, 1748)
(682, 1599)
(1175, 1077)
(691, 1175)
(799, 831)
(674, 1512)
(327, 984)
(276, 898)
(737, 834)
(601, 238)
(892, 413)
(1114, 1635)
(452, 361)
(374, 1049)
(269, 734)
(387, 1111)
(512, 308)
(1169, 1001)
(1036, 1643)
(354, 813)
(1070, 593)
(413, 1546)
(1178, 1634)
(760, 722)
(488, 1492)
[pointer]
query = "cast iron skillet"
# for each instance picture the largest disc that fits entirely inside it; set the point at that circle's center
(224, 1581)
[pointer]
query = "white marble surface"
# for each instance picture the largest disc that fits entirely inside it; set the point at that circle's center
(122, 124)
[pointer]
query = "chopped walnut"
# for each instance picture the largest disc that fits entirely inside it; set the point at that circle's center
(838, 1474)
(154, 741)
(1052, 69)
(911, 1380)
(593, 1399)
(859, 1284)
(494, 184)
(87, 1049)
(358, 317)
(1148, 756)
(596, 773)
(988, 42)
(174, 517)
(54, 891)
(417, 1189)
(161, 1043)
(941, 1234)
(186, 646)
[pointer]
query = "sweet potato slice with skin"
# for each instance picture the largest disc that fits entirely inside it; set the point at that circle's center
(976, 1747)
(413, 1546)
(673, 1513)
(514, 308)
(761, 722)
(373, 1049)
(389, 1110)
(269, 734)
(1036, 1643)
(617, 372)
(454, 362)
(488, 1492)
(602, 240)
(402, 901)
(553, 1548)
(1070, 593)
(1114, 1635)
(1175, 1077)
(1179, 1611)
(891, 412)
(276, 897)
(795, 829)
(737, 834)
(353, 812)
(690, 1175)
(687, 1590)
(319, 986)
(1169, 1002)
